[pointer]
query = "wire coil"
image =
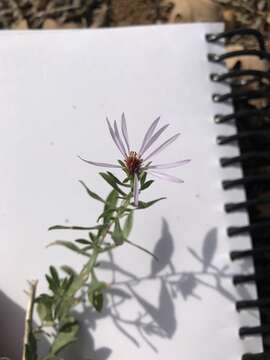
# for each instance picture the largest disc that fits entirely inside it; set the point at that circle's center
(253, 137)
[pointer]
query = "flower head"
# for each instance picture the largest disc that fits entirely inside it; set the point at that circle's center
(136, 163)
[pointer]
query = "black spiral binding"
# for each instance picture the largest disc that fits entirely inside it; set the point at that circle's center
(253, 137)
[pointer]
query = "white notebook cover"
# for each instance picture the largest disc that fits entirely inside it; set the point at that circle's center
(57, 87)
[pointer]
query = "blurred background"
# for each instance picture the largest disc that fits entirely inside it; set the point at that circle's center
(67, 14)
(76, 14)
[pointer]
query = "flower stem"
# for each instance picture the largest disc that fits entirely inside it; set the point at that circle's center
(87, 276)
(28, 330)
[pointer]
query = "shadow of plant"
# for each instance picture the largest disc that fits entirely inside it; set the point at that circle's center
(12, 329)
(148, 319)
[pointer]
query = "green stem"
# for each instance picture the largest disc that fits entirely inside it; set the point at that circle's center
(82, 277)
(28, 331)
(120, 211)
(88, 269)
(76, 286)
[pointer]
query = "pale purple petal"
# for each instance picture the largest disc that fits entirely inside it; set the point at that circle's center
(148, 134)
(162, 146)
(100, 163)
(118, 138)
(136, 190)
(153, 139)
(164, 176)
(125, 132)
(169, 165)
(114, 138)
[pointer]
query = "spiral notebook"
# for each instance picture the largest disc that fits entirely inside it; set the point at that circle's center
(57, 87)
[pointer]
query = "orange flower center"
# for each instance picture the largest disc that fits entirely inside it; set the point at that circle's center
(133, 162)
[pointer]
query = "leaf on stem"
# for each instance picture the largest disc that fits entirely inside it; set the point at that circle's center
(111, 203)
(66, 335)
(144, 205)
(111, 200)
(44, 309)
(76, 282)
(52, 285)
(95, 295)
(55, 275)
(117, 181)
(67, 282)
(143, 178)
(147, 184)
(91, 193)
(93, 237)
(83, 241)
(63, 227)
(107, 214)
(117, 235)
(128, 225)
(68, 270)
(142, 248)
(122, 164)
(69, 245)
(111, 181)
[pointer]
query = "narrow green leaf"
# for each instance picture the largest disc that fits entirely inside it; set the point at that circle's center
(55, 276)
(68, 270)
(98, 301)
(111, 203)
(95, 295)
(66, 335)
(64, 283)
(128, 225)
(142, 248)
(75, 283)
(111, 200)
(44, 308)
(122, 163)
(127, 179)
(52, 286)
(114, 178)
(117, 235)
(147, 184)
(119, 182)
(143, 178)
(83, 241)
(88, 247)
(69, 245)
(63, 227)
(144, 205)
(92, 237)
(112, 182)
(69, 281)
(107, 214)
(91, 193)
(127, 201)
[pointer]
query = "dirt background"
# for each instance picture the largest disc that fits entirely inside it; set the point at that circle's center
(52, 14)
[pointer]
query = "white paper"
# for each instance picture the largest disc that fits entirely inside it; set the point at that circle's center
(57, 87)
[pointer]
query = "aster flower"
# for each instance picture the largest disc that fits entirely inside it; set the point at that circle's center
(136, 163)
